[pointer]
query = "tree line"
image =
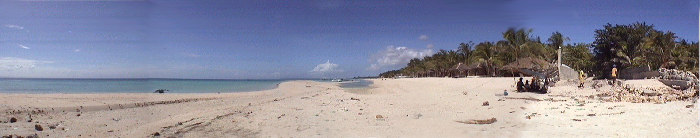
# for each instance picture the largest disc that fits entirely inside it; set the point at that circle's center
(625, 46)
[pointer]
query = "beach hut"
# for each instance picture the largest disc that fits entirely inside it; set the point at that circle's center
(532, 64)
(462, 69)
(480, 67)
(528, 63)
(476, 68)
(461, 66)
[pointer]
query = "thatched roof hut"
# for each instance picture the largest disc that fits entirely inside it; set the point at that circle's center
(460, 67)
(480, 64)
(476, 68)
(530, 67)
(475, 65)
(528, 63)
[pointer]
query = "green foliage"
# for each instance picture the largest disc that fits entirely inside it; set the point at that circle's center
(390, 74)
(684, 56)
(487, 52)
(516, 40)
(622, 45)
(638, 45)
(494, 55)
(578, 57)
(465, 52)
(556, 40)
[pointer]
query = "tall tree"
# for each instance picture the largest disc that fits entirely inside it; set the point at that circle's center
(465, 51)
(657, 49)
(620, 45)
(516, 39)
(557, 40)
(578, 57)
(486, 52)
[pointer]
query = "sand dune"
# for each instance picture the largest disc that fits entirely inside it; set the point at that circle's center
(417, 107)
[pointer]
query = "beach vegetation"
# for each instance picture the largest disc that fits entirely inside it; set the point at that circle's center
(640, 45)
(626, 46)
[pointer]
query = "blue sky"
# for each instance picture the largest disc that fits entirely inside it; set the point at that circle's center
(264, 39)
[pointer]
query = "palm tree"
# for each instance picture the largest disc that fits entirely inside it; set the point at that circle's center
(486, 51)
(557, 40)
(465, 51)
(429, 64)
(657, 48)
(578, 56)
(412, 67)
(516, 40)
(538, 50)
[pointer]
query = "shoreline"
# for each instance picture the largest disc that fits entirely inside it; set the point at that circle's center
(269, 87)
(73, 108)
(419, 107)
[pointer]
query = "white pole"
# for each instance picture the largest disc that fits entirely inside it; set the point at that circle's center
(559, 63)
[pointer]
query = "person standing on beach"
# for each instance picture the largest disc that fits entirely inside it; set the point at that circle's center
(613, 74)
(581, 78)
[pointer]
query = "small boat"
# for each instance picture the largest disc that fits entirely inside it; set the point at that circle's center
(337, 80)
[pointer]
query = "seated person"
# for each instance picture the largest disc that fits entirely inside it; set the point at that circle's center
(533, 86)
(527, 85)
(543, 90)
(520, 86)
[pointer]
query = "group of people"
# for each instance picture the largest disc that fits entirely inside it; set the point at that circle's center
(536, 86)
(532, 86)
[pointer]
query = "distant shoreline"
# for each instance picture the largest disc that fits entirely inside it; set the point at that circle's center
(99, 86)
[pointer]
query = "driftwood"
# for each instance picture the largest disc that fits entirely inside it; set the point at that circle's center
(474, 121)
(528, 98)
(613, 113)
(554, 100)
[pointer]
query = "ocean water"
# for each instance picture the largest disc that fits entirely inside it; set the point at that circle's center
(133, 85)
(356, 84)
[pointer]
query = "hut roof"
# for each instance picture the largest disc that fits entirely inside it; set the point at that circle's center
(460, 66)
(478, 64)
(528, 63)
(475, 65)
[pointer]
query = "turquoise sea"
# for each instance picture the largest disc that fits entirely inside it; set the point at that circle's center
(15, 85)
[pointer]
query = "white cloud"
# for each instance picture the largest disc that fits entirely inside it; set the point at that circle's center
(23, 46)
(76, 50)
(430, 46)
(423, 37)
(396, 56)
(12, 26)
(13, 63)
(327, 67)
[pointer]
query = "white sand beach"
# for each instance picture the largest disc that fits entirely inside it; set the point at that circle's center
(412, 107)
